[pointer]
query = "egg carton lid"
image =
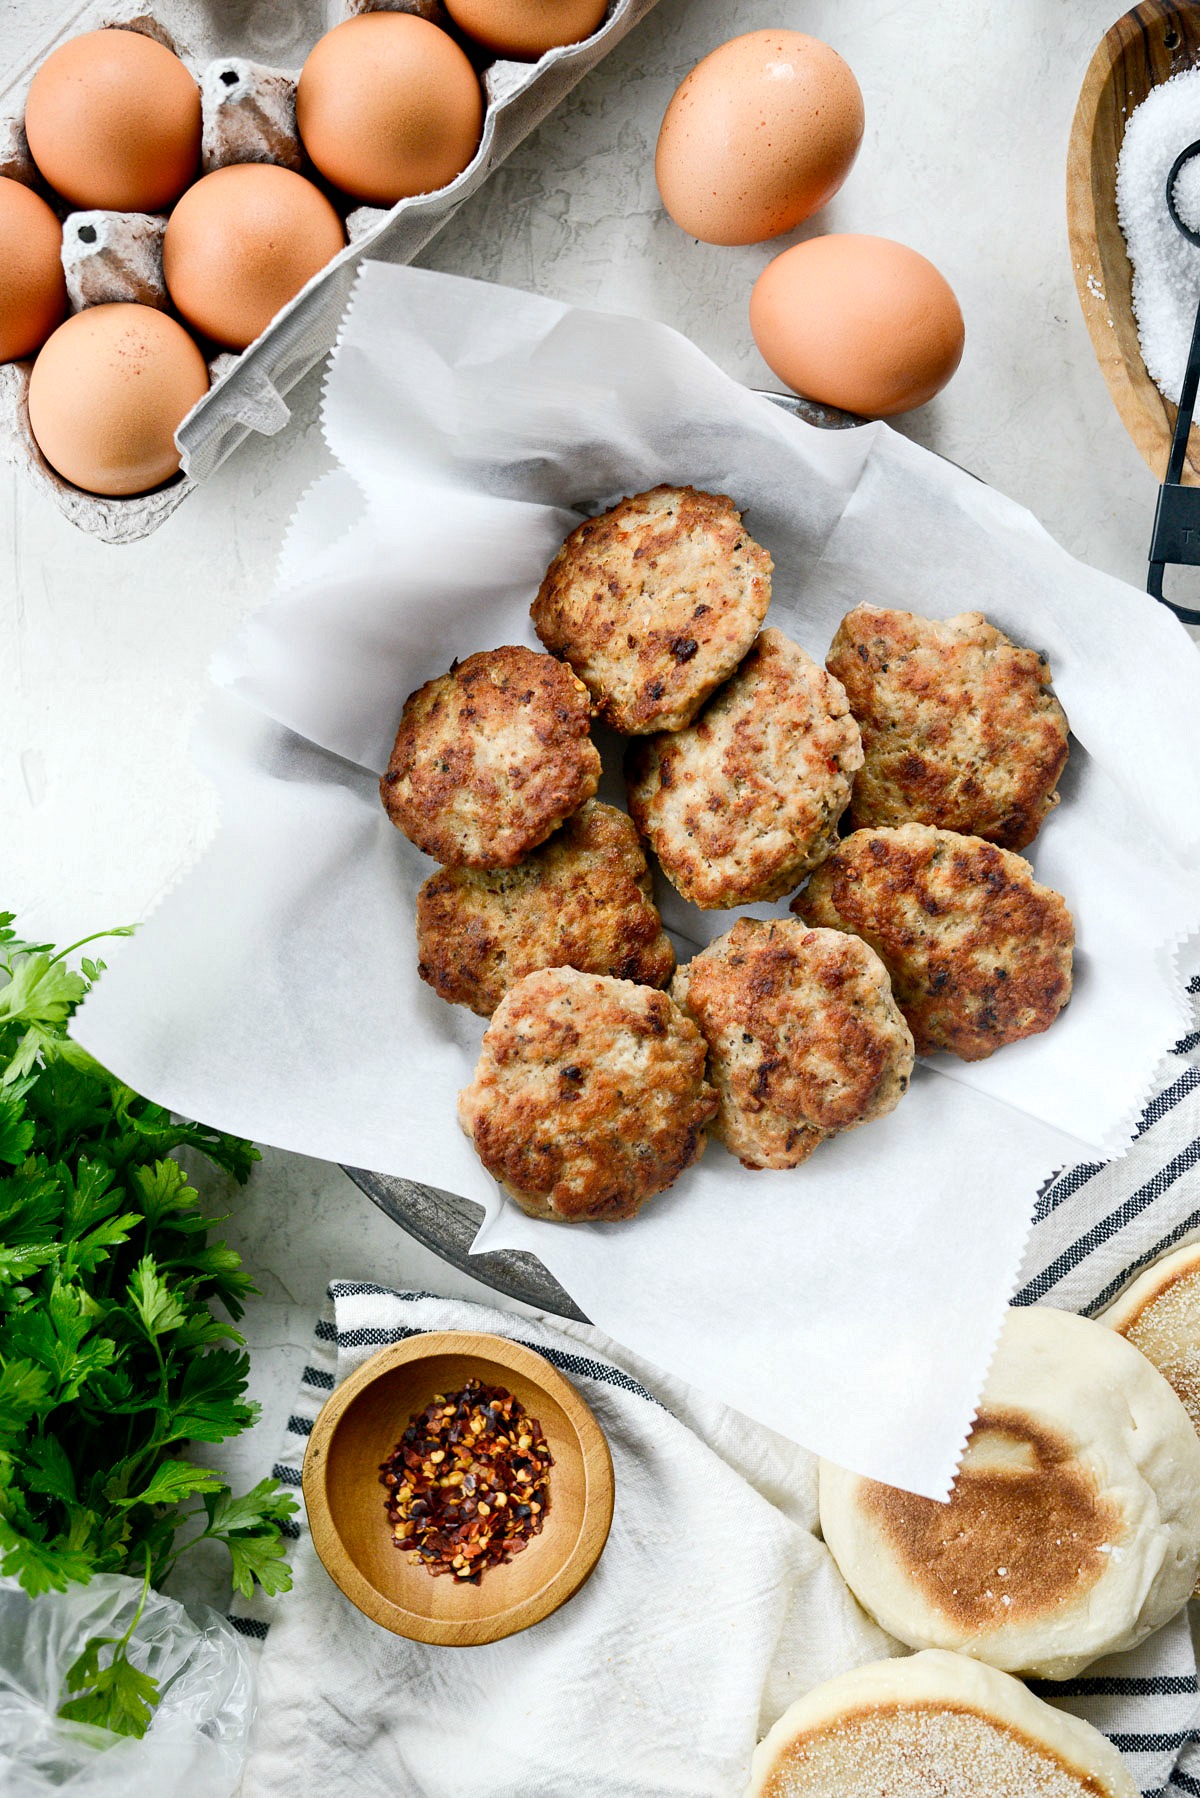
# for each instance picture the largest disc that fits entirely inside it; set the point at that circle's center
(248, 392)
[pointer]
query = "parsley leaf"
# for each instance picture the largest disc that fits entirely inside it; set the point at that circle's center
(249, 1526)
(228, 1516)
(157, 1307)
(121, 1698)
(24, 1389)
(174, 1480)
(49, 1470)
(259, 1559)
(16, 1130)
(42, 1566)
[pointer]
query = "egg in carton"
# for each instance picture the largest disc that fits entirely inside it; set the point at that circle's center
(247, 63)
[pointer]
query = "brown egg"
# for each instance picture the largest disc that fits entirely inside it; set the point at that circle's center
(389, 106)
(858, 322)
(758, 137)
(113, 121)
(108, 392)
(526, 29)
(33, 292)
(241, 243)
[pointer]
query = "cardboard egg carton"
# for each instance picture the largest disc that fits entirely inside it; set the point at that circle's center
(246, 59)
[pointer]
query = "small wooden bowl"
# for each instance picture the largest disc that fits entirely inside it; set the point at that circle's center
(1156, 40)
(357, 1430)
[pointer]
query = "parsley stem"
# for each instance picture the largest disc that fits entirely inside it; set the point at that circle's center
(205, 1535)
(137, 1615)
(96, 936)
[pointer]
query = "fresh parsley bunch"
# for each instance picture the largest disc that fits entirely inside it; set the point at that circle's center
(111, 1360)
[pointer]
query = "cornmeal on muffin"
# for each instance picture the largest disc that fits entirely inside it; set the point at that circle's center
(960, 728)
(978, 952)
(583, 900)
(933, 1725)
(804, 1037)
(589, 1096)
(491, 757)
(740, 805)
(654, 604)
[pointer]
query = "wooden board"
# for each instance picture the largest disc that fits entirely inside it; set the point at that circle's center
(359, 1427)
(1149, 44)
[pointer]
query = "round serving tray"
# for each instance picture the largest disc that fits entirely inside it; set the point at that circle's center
(447, 1224)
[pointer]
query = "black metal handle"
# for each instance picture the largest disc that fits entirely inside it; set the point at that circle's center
(1176, 535)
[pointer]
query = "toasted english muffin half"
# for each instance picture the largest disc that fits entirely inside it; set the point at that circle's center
(927, 1725)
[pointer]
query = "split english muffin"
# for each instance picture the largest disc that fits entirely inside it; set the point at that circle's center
(1160, 1314)
(1073, 1528)
(928, 1725)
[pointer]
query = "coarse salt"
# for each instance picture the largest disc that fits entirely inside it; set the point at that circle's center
(1166, 267)
(1186, 193)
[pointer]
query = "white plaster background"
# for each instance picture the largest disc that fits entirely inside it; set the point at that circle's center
(103, 650)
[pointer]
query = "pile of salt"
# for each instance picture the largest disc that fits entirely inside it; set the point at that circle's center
(1166, 267)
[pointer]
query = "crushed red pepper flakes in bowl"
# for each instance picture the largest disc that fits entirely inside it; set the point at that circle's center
(468, 1482)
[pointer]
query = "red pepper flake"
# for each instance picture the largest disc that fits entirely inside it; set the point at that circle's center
(468, 1482)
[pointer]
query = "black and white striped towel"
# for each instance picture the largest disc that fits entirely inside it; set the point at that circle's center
(715, 1604)
(1096, 1226)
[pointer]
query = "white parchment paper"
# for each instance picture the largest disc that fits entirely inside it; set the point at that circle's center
(852, 1303)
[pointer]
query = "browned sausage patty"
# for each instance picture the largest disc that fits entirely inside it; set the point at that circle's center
(583, 900)
(491, 757)
(978, 952)
(804, 1037)
(654, 603)
(740, 805)
(959, 726)
(589, 1096)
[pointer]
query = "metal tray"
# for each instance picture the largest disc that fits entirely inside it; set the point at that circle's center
(447, 1224)
(443, 1222)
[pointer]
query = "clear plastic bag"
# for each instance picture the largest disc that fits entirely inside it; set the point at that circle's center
(196, 1744)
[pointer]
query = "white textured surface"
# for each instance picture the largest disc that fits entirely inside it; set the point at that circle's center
(103, 650)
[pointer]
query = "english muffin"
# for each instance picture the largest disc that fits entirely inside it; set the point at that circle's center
(654, 603)
(804, 1037)
(978, 952)
(959, 726)
(740, 805)
(589, 1096)
(583, 900)
(1160, 1314)
(1073, 1528)
(491, 757)
(930, 1725)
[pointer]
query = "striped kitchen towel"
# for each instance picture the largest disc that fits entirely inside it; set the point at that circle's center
(1094, 1227)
